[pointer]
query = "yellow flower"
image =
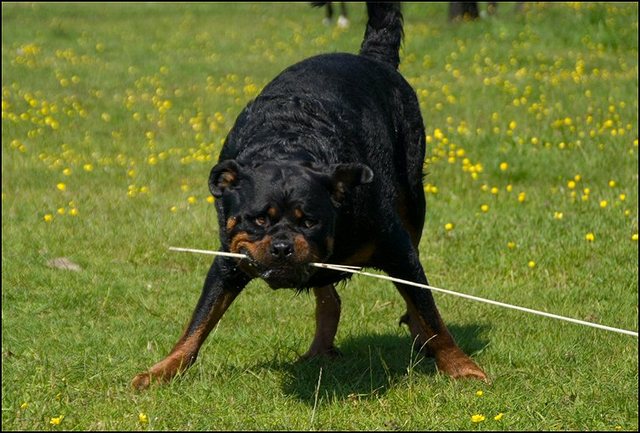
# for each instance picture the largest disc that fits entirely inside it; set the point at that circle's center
(531, 264)
(210, 199)
(498, 417)
(61, 186)
(61, 211)
(558, 215)
(634, 237)
(48, 218)
(603, 203)
(612, 183)
(511, 245)
(504, 166)
(477, 418)
(88, 167)
(24, 405)
(173, 209)
(590, 237)
(66, 172)
(143, 418)
(448, 227)
(73, 212)
(57, 420)
(522, 197)
(571, 184)
(479, 393)
(484, 208)
(192, 200)
(512, 125)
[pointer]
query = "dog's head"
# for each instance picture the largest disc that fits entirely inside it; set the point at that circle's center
(282, 215)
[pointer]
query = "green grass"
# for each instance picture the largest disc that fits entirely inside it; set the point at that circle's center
(84, 103)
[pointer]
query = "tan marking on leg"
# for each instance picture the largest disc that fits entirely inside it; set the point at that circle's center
(186, 349)
(450, 359)
(327, 318)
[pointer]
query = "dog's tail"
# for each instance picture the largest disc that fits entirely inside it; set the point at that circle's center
(384, 33)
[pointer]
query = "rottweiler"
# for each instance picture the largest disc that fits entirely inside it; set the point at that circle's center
(324, 165)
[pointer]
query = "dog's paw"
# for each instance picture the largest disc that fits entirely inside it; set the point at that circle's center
(331, 353)
(142, 381)
(456, 364)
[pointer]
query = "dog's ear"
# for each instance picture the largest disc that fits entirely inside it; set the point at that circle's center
(344, 177)
(223, 175)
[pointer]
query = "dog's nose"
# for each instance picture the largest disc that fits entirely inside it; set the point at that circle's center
(281, 249)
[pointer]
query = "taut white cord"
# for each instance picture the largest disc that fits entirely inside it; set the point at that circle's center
(355, 270)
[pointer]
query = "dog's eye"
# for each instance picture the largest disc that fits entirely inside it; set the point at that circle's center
(261, 220)
(309, 223)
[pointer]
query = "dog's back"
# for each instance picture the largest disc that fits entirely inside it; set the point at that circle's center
(342, 108)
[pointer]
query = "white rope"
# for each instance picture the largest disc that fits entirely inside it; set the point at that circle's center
(355, 270)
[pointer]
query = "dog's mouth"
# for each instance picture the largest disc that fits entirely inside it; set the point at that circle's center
(278, 274)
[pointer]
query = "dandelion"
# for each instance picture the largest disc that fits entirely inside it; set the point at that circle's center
(61, 211)
(61, 186)
(512, 125)
(479, 393)
(622, 197)
(24, 405)
(531, 264)
(484, 208)
(48, 218)
(511, 245)
(477, 418)
(612, 183)
(634, 237)
(522, 197)
(73, 212)
(88, 167)
(603, 204)
(448, 227)
(192, 200)
(56, 420)
(504, 166)
(173, 209)
(66, 172)
(590, 237)
(558, 215)
(571, 184)
(210, 199)
(143, 418)
(498, 417)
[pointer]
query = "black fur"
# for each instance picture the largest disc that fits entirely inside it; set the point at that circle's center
(324, 165)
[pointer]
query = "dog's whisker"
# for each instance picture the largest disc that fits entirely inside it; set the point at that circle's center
(244, 256)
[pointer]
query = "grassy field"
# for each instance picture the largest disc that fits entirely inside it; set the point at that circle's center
(113, 115)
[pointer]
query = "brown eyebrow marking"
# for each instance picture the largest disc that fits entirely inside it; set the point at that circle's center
(231, 223)
(298, 213)
(272, 212)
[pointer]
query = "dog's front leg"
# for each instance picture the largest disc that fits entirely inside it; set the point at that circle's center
(427, 328)
(223, 283)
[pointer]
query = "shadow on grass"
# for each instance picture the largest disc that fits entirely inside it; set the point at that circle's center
(368, 367)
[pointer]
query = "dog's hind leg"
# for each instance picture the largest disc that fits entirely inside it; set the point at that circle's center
(327, 318)
(223, 283)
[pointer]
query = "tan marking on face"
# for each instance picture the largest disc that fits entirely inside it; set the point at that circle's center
(272, 212)
(303, 252)
(298, 213)
(231, 223)
(258, 250)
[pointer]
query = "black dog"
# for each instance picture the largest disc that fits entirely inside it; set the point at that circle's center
(325, 165)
